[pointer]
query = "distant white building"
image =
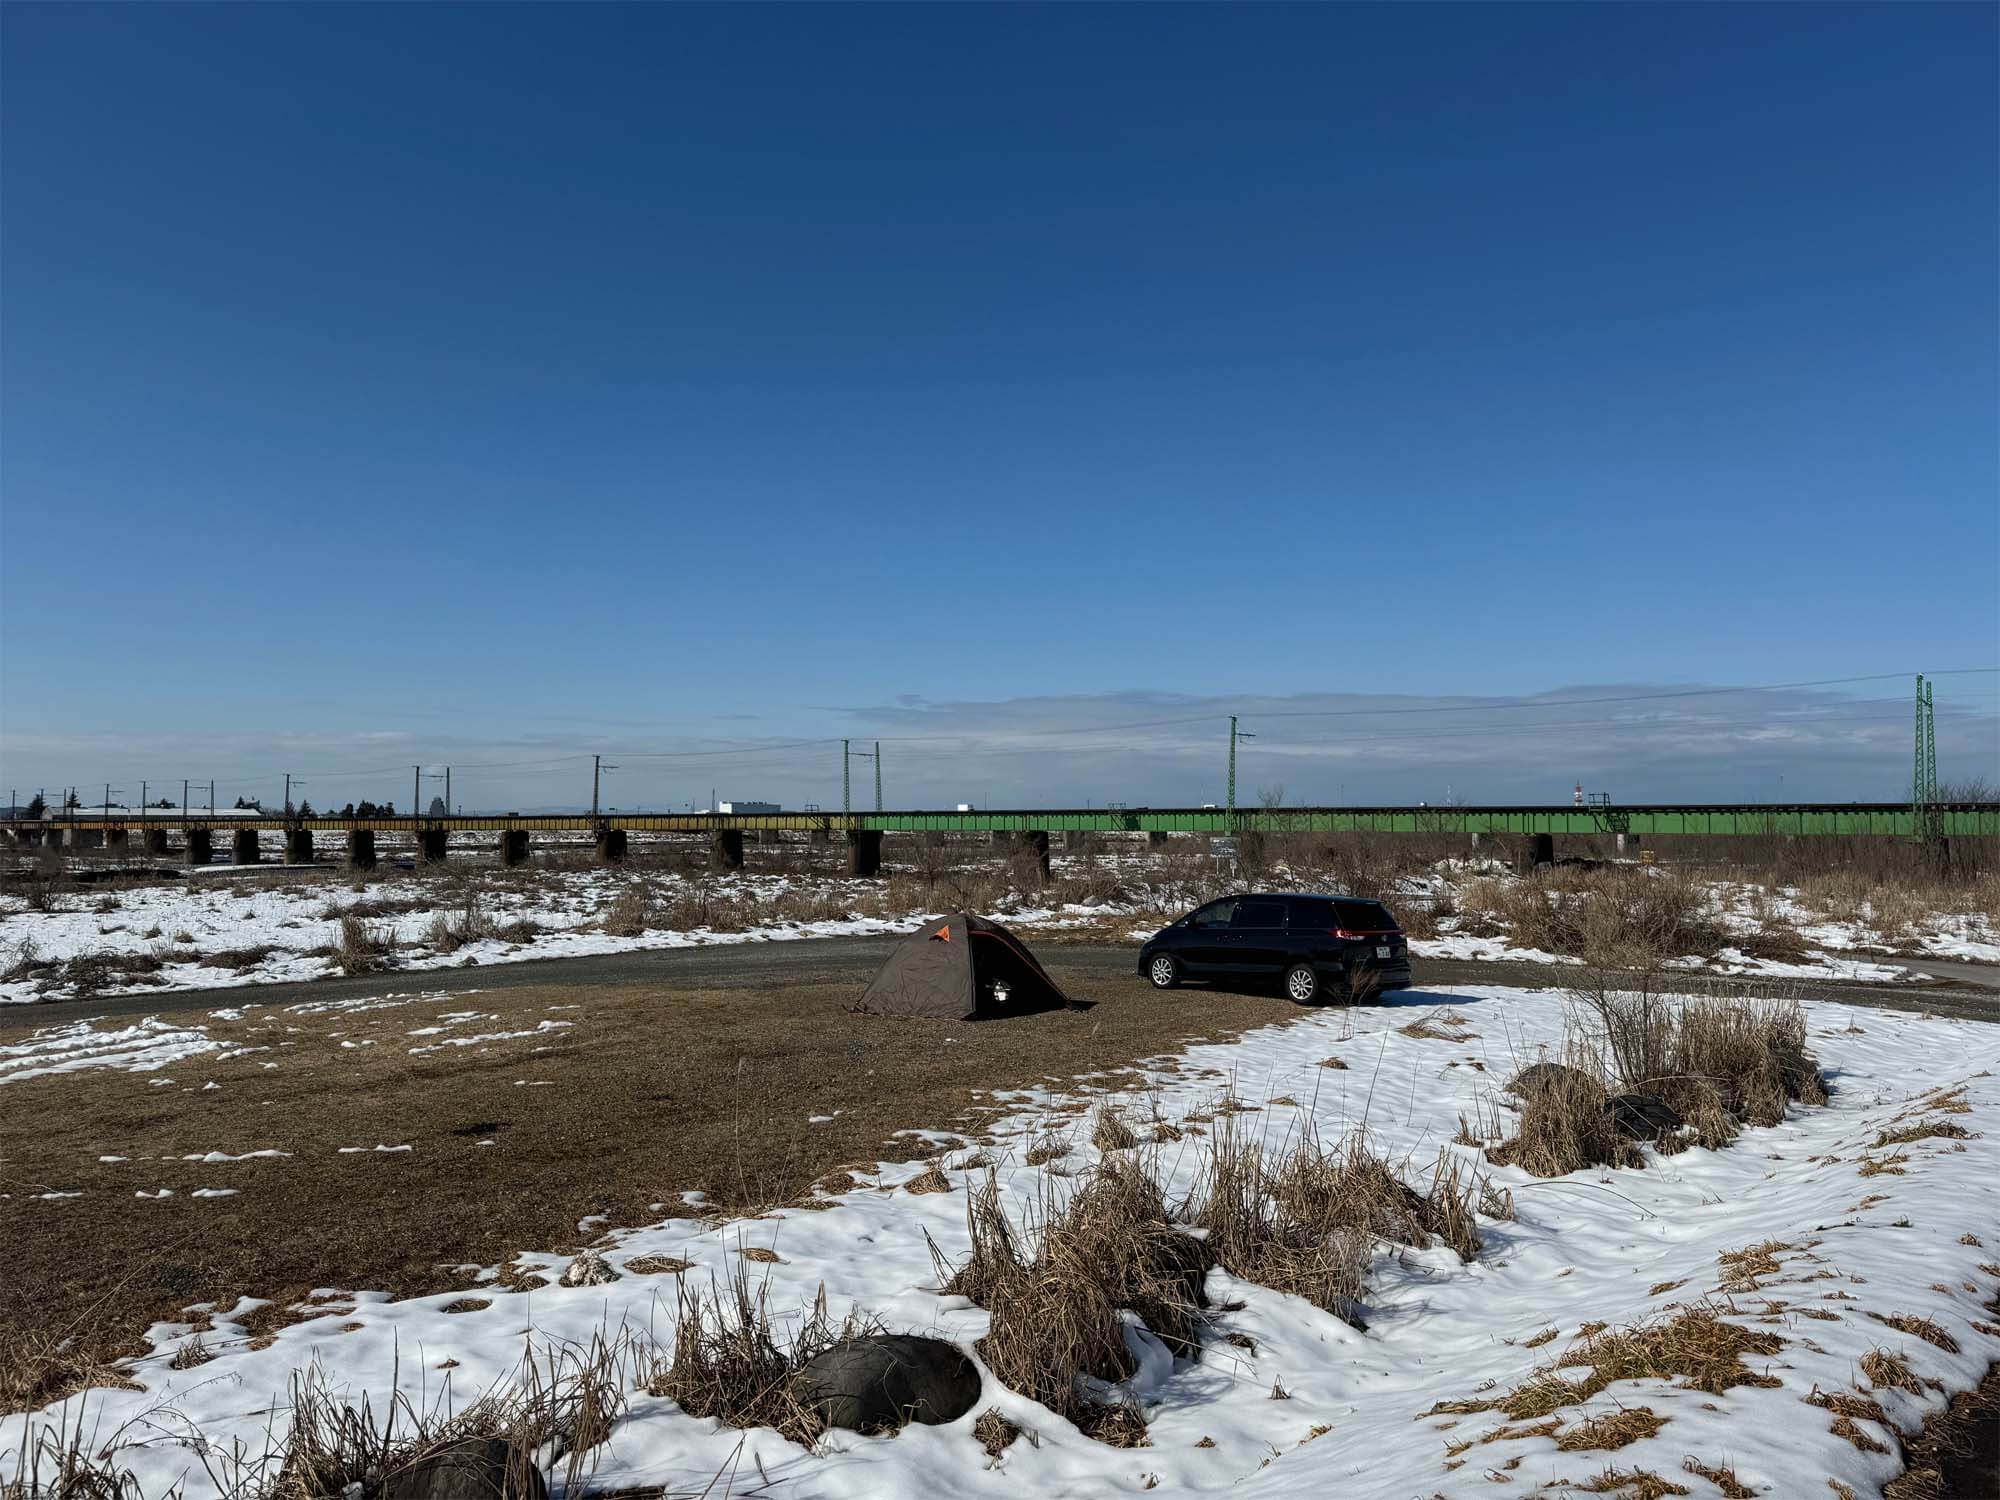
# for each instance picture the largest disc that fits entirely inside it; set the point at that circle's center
(745, 808)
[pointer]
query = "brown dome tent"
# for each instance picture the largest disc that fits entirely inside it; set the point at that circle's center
(961, 968)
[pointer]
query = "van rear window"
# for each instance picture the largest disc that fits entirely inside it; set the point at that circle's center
(1364, 916)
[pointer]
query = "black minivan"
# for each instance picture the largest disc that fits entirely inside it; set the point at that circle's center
(1322, 947)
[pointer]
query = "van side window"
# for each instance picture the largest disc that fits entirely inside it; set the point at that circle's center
(1262, 914)
(1217, 915)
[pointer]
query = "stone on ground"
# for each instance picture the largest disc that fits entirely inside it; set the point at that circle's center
(879, 1384)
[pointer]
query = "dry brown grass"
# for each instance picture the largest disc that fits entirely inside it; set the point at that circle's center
(1632, 1484)
(1055, 1288)
(1742, 1270)
(1110, 1133)
(1923, 1130)
(37, 1367)
(994, 1432)
(1619, 1429)
(931, 1181)
(1614, 918)
(694, 1117)
(362, 946)
(729, 1364)
(1563, 1127)
(1922, 1328)
(1886, 1371)
(1721, 1476)
(1696, 1347)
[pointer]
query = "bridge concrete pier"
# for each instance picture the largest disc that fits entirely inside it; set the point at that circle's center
(1157, 839)
(243, 848)
(431, 845)
(361, 848)
(200, 846)
(1002, 838)
(1034, 843)
(1540, 851)
(117, 840)
(821, 836)
(156, 842)
(725, 849)
(84, 838)
(298, 846)
(611, 843)
(864, 851)
(514, 847)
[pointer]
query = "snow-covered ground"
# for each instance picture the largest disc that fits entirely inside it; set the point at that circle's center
(1598, 1247)
(276, 928)
(298, 922)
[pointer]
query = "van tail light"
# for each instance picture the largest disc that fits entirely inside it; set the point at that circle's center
(1342, 932)
(1346, 932)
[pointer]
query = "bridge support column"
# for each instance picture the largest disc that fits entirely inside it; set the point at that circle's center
(243, 848)
(611, 844)
(864, 851)
(117, 840)
(1475, 841)
(361, 848)
(1541, 850)
(431, 844)
(1628, 841)
(85, 838)
(821, 836)
(514, 847)
(298, 846)
(1002, 839)
(1034, 844)
(725, 850)
(1157, 839)
(156, 842)
(201, 846)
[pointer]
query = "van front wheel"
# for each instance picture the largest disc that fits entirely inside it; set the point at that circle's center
(1302, 984)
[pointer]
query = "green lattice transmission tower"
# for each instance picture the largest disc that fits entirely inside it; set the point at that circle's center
(1923, 778)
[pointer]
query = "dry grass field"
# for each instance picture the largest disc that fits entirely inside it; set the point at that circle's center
(615, 1101)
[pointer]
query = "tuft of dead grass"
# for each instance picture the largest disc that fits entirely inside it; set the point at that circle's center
(1696, 1347)
(1721, 1476)
(1055, 1290)
(728, 1362)
(1922, 1130)
(37, 1368)
(1632, 1484)
(1922, 1328)
(994, 1432)
(1110, 1133)
(1890, 1371)
(1620, 1429)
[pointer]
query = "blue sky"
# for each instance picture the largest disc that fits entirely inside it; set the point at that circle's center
(391, 384)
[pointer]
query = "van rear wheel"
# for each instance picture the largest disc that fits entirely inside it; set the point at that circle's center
(1302, 984)
(1164, 971)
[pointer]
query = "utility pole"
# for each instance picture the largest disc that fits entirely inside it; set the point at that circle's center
(596, 775)
(447, 791)
(1234, 736)
(142, 797)
(288, 796)
(846, 781)
(211, 798)
(184, 806)
(416, 793)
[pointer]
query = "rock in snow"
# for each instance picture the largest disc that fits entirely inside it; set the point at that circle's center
(469, 1469)
(879, 1384)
